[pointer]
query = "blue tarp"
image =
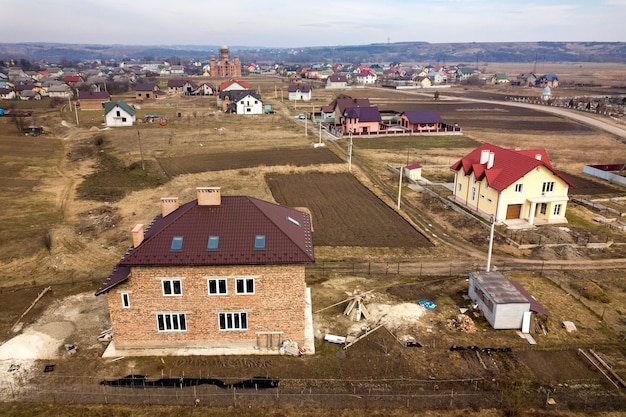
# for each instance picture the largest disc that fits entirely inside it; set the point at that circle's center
(427, 304)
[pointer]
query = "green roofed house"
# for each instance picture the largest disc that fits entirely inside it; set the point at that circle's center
(118, 113)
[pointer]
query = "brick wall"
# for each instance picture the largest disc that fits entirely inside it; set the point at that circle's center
(276, 306)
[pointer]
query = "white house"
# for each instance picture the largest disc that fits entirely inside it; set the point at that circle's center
(299, 92)
(366, 77)
(505, 304)
(249, 103)
(118, 113)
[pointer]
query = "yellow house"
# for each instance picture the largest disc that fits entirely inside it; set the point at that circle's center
(511, 184)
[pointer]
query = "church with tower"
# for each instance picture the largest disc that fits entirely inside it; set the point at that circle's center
(225, 67)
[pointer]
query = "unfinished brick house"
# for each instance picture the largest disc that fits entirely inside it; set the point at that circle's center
(216, 272)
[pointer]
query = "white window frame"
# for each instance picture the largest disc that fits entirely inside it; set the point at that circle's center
(172, 286)
(172, 322)
(125, 300)
(232, 321)
(473, 193)
(557, 209)
(246, 282)
(519, 188)
(217, 282)
(547, 187)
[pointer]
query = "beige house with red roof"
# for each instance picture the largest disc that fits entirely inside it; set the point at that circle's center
(511, 184)
(219, 273)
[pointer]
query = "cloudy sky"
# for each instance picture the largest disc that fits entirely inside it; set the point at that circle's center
(296, 23)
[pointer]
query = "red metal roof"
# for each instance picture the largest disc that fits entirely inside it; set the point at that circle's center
(509, 165)
(237, 221)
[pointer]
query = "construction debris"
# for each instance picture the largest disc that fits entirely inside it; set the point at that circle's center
(106, 335)
(334, 339)
(427, 304)
(356, 307)
(463, 323)
(363, 336)
(569, 326)
(291, 348)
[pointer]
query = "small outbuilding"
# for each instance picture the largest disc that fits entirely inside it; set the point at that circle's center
(413, 172)
(502, 304)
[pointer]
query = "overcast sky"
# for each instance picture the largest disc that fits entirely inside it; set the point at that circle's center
(298, 23)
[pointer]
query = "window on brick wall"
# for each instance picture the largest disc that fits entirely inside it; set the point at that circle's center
(125, 300)
(172, 287)
(244, 285)
(233, 321)
(172, 322)
(217, 286)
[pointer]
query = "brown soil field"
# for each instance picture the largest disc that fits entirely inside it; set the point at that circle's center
(342, 210)
(226, 161)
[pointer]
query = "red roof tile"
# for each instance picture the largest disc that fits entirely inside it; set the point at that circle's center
(508, 167)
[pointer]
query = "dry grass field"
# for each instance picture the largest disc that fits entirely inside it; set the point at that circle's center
(71, 197)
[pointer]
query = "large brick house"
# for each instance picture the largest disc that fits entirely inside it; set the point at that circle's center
(219, 272)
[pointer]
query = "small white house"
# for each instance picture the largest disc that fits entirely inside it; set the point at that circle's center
(245, 102)
(502, 304)
(413, 172)
(118, 113)
(299, 92)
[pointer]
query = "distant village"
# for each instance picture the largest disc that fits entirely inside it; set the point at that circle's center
(24, 80)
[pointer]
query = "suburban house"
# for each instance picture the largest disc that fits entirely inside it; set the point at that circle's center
(118, 113)
(547, 80)
(361, 120)
(60, 91)
(146, 91)
(204, 89)
(435, 77)
(511, 184)
(30, 95)
(240, 102)
(421, 120)
(336, 81)
(463, 73)
(181, 87)
(223, 272)
(505, 304)
(92, 100)
(73, 79)
(7, 94)
(299, 92)
(334, 111)
(499, 78)
(366, 77)
(231, 85)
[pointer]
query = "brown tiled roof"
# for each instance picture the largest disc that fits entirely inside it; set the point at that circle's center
(294, 88)
(237, 221)
(145, 87)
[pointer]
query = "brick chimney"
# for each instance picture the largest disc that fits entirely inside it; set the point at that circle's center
(137, 235)
(209, 196)
(168, 205)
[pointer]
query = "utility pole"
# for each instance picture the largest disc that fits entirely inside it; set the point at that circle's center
(493, 221)
(305, 126)
(320, 132)
(400, 187)
(350, 152)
